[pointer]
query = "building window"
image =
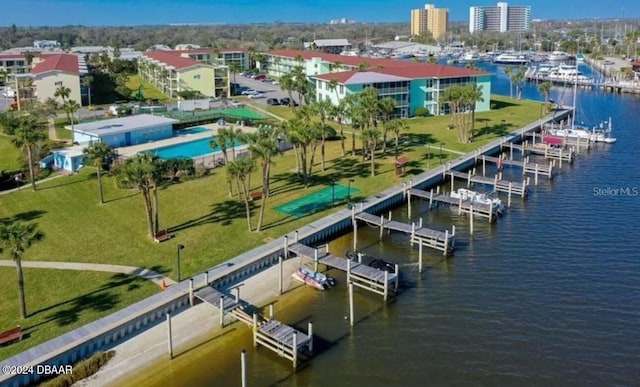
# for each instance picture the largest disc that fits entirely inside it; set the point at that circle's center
(341, 88)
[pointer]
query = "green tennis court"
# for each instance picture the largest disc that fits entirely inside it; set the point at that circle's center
(317, 200)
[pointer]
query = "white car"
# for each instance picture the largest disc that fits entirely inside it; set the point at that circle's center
(248, 92)
(256, 95)
(235, 103)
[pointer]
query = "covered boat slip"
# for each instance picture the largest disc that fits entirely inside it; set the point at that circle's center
(363, 276)
(464, 206)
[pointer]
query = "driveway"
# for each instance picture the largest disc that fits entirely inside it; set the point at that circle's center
(270, 90)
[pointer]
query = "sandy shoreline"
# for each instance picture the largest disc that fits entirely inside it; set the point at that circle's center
(195, 325)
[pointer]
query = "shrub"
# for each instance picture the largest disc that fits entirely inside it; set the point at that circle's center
(420, 111)
(81, 370)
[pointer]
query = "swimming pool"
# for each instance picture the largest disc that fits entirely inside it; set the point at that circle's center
(189, 149)
(192, 130)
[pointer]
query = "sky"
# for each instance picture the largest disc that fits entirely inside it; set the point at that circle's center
(145, 12)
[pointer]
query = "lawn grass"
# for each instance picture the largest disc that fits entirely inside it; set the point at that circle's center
(9, 155)
(148, 90)
(62, 132)
(204, 218)
(61, 300)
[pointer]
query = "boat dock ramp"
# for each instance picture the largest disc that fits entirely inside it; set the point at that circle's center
(363, 276)
(277, 336)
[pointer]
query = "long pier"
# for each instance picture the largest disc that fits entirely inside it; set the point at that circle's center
(423, 236)
(361, 275)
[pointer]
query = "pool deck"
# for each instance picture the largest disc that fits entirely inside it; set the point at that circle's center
(129, 151)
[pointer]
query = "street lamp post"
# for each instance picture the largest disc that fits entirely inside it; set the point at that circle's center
(349, 190)
(178, 248)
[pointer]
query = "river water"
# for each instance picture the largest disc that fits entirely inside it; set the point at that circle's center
(547, 295)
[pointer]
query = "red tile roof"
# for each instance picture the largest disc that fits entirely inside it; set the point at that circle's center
(57, 62)
(340, 77)
(172, 58)
(386, 66)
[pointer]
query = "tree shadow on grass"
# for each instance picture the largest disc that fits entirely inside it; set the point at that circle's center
(101, 299)
(495, 104)
(350, 168)
(497, 129)
(23, 217)
(417, 139)
(222, 212)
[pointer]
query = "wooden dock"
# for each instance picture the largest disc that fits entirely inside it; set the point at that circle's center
(363, 276)
(528, 168)
(498, 184)
(464, 206)
(559, 154)
(286, 341)
(438, 240)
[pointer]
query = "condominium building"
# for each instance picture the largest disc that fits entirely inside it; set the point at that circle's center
(431, 19)
(500, 18)
(175, 71)
(410, 84)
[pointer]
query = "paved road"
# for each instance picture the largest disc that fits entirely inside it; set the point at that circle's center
(270, 90)
(139, 271)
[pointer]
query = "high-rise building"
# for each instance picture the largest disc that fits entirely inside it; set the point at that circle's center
(430, 19)
(501, 18)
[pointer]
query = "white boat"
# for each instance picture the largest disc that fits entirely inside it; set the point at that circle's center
(511, 58)
(580, 57)
(350, 53)
(557, 56)
(470, 56)
(313, 278)
(400, 55)
(477, 197)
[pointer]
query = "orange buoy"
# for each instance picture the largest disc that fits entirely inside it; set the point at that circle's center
(163, 284)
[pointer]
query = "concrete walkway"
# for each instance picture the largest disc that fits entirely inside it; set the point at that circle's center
(151, 275)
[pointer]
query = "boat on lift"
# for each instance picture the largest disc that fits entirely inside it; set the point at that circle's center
(313, 278)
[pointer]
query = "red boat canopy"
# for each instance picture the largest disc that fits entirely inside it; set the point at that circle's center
(552, 140)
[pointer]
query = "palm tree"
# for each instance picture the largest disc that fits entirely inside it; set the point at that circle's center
(95, 154)
(240, 171)
(353, 112)
(545, 89)
(508, 71)
(287, 84)
(86, 82)
(27, 132)
(370, 137)
(386, 107)
(322, 109)
(70, 107)
(517, 79)
(3, 76)
(138, 172)
(473, 94)
(432, 60)
(396, 126)
(263, 145)
(63, 92)
(15, 239)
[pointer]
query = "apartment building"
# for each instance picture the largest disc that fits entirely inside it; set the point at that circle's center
(431, 19)
(500, 18)
(410, 84)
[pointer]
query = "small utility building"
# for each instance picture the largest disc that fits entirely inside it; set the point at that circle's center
(125, 131)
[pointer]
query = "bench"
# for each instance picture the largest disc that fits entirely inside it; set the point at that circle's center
(255, 195)
(162, 235)
(11, 335)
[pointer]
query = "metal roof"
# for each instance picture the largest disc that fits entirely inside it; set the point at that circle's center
(121, 125)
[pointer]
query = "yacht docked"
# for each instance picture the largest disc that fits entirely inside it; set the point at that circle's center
(511, 59)
(558, 56)
(479, 198)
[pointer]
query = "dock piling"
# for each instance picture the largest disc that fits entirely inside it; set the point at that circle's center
(286, 246)
(243, 367)
(280, 285)
(206, 278)
(310, 334)
(386, 285)
(271, 311)
(419, 257)
(169, 336)
(471, 219)
(190, 291)
(222, 311)
(351, 303)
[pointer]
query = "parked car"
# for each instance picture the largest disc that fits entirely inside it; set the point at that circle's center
(248, 92)
(235, 103)
(259, 77)
(287, 101)
(275, 82)
(267, 80)
(273, 101)
(256, 95)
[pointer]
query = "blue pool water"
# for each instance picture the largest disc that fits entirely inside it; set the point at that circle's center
(188, 149)
(193, 130)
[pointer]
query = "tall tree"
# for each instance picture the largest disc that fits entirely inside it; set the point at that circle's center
(95, 154)
(86, 82)
(63, 93)
(27, 133)
(263, 146)
(508, 71)
(322, 109)
(240, 170)
(545, 89)
(138, 172)
(370, 137)
(386, 107)
(15, 239)
(70, 107)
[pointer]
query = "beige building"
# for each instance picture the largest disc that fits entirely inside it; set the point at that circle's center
(429, 19)
(176, 71)
(51, 71)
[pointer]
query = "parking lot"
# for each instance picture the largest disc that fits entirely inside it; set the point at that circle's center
(268, 89)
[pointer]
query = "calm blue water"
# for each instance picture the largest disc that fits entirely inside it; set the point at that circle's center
(192, 130)
(188, 149)
(548, 295)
